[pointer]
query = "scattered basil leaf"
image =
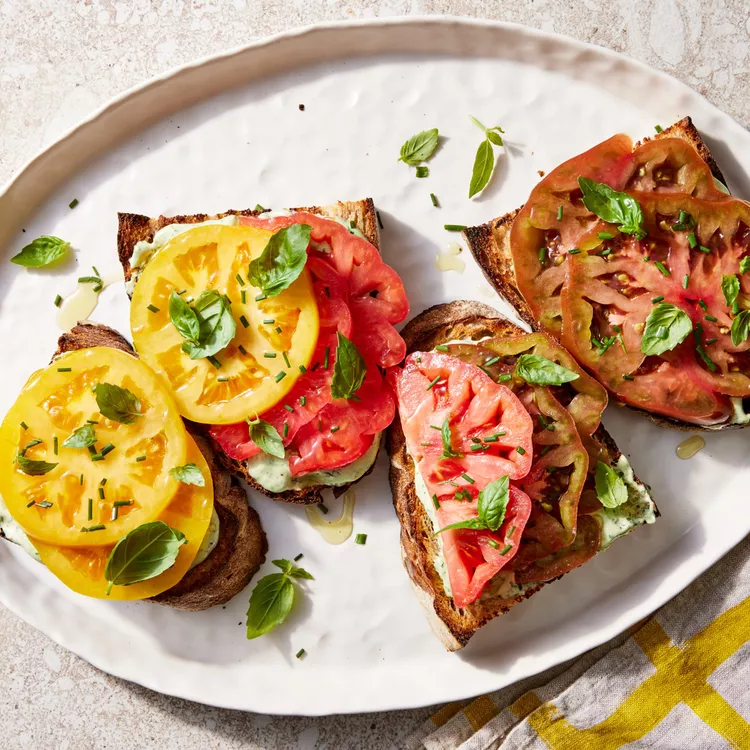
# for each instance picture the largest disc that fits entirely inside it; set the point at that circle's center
(184, 318)
(730, 285)
(745, 264)
(188, 474)
(217, 326)
(542, 371)
(666, 327)
(41, 252)
(741, 327)
(493, 502)
(282, 260)
(144, 553)
(117, 403)
(613, 207)
(419, 147)
(484, 163)
(610, 487)
(267, 438)
(349, 369)
(448, 451)
(83, 437)
(33, 468)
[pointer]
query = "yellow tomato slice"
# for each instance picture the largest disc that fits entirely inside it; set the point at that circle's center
(54, 507)
(274, 337)
(82, 568)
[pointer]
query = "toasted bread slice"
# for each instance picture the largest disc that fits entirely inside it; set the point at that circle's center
(438, 325)
(134, 228)
(490, 245)
(242, 544)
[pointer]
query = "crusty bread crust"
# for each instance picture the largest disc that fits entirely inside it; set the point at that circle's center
(133, 228)
(242, 544)
(454, 626)
(490, 245)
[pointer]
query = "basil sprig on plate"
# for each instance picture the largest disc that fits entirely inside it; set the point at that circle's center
(188, 474)
(666, 327)
(215, 325)
(144, 553)
(33, 467)
(83, 437)
(349, 369)
(445, 432)
(116, 403)
(43, 251)
(491, 507)
(419, 147)
(272, 598)
(266, 437)
(740, 327)
(542, 371)
(484, 161)
(613, 207)
(281, 261)
(610, 487)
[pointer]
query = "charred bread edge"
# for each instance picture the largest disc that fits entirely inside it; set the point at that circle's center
(453, 626)
(133, 228)
(489, 244)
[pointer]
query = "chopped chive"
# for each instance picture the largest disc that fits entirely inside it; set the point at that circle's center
(654, 300)
(302, 369)
(269, 355)
(269, 321)
(692, 240)
(108, 448)
(55, 446)
(542, 255)
(327, 291)
(277, 329)
(433, 383)
(467, 478)
(559, 213)
(240, 280)
(222, 379)
(323, 508)
(97, 457)
(627, 377)
(574, 251)
(703, 306)
(454, 227)
(520, 450)
(286, 429)
(662, 268)
(89, 280)
(302, 651)
(244, 322)
(30, 503)
(658, 128)
(286, 359)
(115, 513)
(492, 361)
(491, 541)
(491, 439)
(605, 235)
(243, 296)
(423, 172)
(92, 450)
(504, 378)
(709, 362)
(298, 557)
(545, 450)
(435, 427)
(80, 480)
(141, 458)
(326, 358)
(434, 199)
(92, 421)
(711, 318)
(302, 400)
(73, 203)
(99, 527)
(711, 341)
(704, 249)
(605, 253)
(24, 426)
(441, 348)
(360, 539)
(58, 300)
(153, 308)
(476, 447)
(290, 409)
(260, 297)
(215, 362)
(91, 509)
(64, 369)
(685, 280)
(181, 291)
(315, 367)
(122, 503)
(507, 548)
(436, 502)
(44, 504)
(511, 530)
(335, 428)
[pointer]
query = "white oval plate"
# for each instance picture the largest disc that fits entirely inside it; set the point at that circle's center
(228, 133)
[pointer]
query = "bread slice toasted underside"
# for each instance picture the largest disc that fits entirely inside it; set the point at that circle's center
(133, 228)
(490, 245)
(242, 545)
(454, 626)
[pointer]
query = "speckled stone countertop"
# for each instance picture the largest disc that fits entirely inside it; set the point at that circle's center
(59, 60)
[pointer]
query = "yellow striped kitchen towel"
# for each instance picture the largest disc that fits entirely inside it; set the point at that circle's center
(677, 681)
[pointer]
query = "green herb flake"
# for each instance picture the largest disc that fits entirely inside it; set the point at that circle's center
(43, 251)
(360, 539)
(419, 147)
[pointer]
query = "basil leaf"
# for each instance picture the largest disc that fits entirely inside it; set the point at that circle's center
(613, 207)
(419, 147)
(730, 285)
(610, 487)
(349, 369)
(33, 468)
(745, 264)
(448, 451)
(217, 326)
(301, 573)
(484, 163)
(493, 501)
(292, 570)
(282, 260)
(267, 438)
(666, 327)
(117, 403)
(83, 437)
(184, 318)
(741, 328)
(270, 604)
(470, 523)
(542, 371)
(144, 553)
(495, 137)
(492, 133)
(41, 252)
(188, 474)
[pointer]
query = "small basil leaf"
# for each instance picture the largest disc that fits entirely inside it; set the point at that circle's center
(493, 501)
(281, 261)
(730, 285)
(419, 147)
(144, 553)
(41, 252)
(301, 573)
(349, 369)
(741, 328)
(542, 371)
(745, 264)
(217, 326)
(610, 487)
(285, 565)
(495, 137)
(117, 403)
(484, 163)
(448, 451)
(613, 207)
(267, 438)
(33, 468)
(188, 474)
(290, 569)
(184, 318)
(666, 327)
(83, 437)
(270, 604)
(470, 523)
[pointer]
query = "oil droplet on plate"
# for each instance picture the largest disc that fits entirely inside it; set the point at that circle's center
(81, 303)
(448, 260)
(688, 448)
(338, 530)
